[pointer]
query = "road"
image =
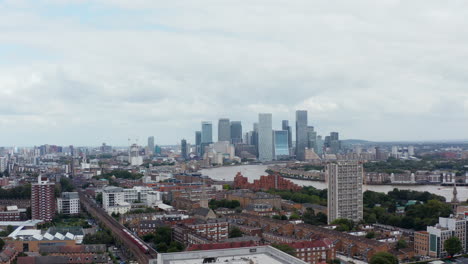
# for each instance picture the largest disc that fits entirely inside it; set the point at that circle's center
(116, 229)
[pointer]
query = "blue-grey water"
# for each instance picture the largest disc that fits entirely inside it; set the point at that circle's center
(253, 172)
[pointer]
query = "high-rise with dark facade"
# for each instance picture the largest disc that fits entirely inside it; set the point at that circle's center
(236, 132)
(311, 138)
(224, 129)
(334, 144)
(285, 126)
(265, 137)
(198, 142)
(43, 200)
(183, 149)
(301, 134)
(255, 137)
(206, 136)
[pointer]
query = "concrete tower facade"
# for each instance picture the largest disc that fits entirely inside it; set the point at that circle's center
(345, 190)
(265, 137)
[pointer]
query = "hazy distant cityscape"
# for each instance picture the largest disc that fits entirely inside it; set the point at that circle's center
(144, 203)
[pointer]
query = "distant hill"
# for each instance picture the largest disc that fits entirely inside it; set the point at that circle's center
(355, 142)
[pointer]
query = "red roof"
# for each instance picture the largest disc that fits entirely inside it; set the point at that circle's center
(312, 244)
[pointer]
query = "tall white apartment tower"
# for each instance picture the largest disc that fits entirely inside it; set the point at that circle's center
(345, 190)
(265, 137)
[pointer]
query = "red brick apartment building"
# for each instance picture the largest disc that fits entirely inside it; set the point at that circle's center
(43, 200)
(265, 183)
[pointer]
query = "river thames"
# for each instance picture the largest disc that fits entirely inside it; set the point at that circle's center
(253, 172)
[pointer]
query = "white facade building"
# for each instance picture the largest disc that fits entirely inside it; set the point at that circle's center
(447, 228)
(3, 164)
(113, 200)
(119, 200)
(68, 203)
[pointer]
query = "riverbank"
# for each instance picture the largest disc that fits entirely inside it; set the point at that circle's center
(253, 172)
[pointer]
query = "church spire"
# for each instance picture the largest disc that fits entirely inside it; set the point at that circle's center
(455, 199)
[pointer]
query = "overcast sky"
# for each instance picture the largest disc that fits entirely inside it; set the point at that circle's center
(87, 72)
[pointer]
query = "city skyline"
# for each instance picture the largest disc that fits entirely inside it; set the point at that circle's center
(86, 72)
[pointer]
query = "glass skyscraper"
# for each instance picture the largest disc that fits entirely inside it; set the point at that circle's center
(207, 132)
(265, 137)
(301, 134)
(198, 142)
(206, 136)
(285, 126)
(184, 149)
(236, 132)
(280, 138)
(224, 129)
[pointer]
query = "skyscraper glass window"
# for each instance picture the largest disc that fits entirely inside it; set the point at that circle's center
(281, 149)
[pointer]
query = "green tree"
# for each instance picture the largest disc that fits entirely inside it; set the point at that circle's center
(383, 258)
(453, 246)
(401, 244)
(344, 225)
(294, 216)
(99, 198)
(235, 232)
(285, 248)
(2, 244)
(100, 237)
(370, 235)
(162, 247)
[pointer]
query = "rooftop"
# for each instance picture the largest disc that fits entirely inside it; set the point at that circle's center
(244, 255)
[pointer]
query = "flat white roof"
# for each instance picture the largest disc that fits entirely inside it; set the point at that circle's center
(245, 255)
(242, 259)
(28, 223)
(164, 206)
(25, 233)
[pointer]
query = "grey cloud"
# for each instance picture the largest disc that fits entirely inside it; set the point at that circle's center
(377, 70)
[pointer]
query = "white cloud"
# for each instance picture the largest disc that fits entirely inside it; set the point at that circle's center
(159, 68)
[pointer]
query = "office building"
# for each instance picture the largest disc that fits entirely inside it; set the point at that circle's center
(411, 150)
(198, 142)
(447, 228)
(113, 200)
(334, 143)
(134, 157)
(150, 145)
(43, 199)
(301, 134)
(265, 137)
(3, 164)
(255, 137)
(319, 143)
(224, 129)
(345, 190)
(311, 138)
(184, 149)
(206, 136)
(285, 126)
(236, 132)
(68, 203)
(281, 147)
(207, 132)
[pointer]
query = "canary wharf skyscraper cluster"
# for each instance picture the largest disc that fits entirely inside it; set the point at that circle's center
(264, 143)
